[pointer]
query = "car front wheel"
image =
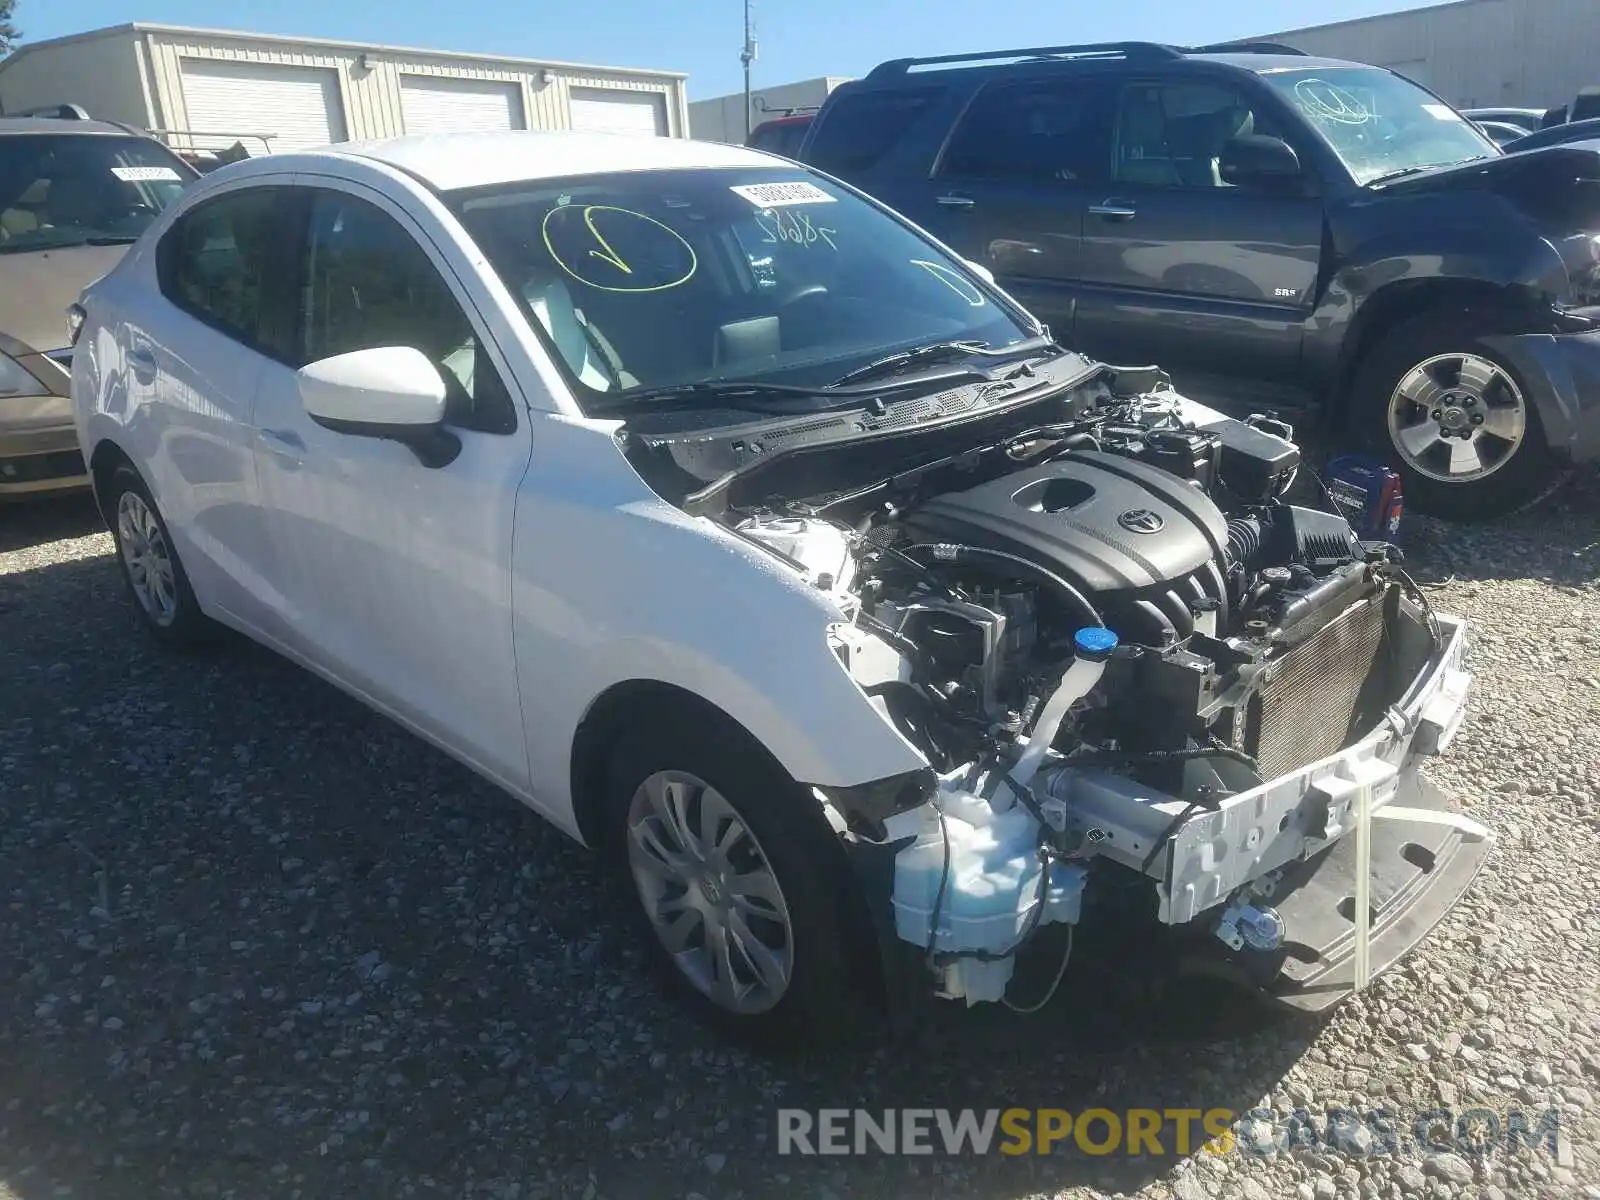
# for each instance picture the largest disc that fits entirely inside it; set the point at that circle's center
(1453, 418)
(738, 886)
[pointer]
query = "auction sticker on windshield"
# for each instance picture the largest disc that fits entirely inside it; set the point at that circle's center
(145, 174)
(775, 195)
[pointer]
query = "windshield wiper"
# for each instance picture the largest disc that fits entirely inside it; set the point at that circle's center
(672, 393)
(894, 363)
(1391, 176)
(66, 243)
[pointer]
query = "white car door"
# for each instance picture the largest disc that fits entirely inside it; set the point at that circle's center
(395, 576)
(193, 357)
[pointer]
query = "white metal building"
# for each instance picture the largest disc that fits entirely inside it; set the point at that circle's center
(211, 88)
(1475, 53)
(721, 119)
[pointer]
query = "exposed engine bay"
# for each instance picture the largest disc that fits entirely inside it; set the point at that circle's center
(1131, 662)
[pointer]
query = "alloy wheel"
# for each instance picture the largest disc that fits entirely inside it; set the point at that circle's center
(1457, 417)
(148, 558)
(710, 892)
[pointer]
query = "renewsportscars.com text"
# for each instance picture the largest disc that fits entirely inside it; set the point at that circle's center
(1148, 1131)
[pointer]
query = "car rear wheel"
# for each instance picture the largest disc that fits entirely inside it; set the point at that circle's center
(150, 566)
(1453, 418)
(736, 882)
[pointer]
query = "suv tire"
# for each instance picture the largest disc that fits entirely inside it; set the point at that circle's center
(1428, 382)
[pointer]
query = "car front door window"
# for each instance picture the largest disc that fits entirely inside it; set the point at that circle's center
(368, 283)
(1172, 134)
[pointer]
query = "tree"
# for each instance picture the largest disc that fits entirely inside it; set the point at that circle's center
(9, 33)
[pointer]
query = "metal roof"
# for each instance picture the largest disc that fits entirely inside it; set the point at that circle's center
(200, 32)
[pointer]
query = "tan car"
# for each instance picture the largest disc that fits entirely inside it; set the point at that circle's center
(74, 195)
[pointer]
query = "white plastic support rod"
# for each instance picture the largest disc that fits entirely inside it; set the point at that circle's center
(1473, 831)
(1363, 913)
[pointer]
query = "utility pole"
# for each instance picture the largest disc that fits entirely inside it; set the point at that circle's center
(747, 56)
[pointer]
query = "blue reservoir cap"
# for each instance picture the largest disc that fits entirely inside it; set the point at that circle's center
(1094, 641)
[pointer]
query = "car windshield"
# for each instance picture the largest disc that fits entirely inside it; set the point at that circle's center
(646, 280)
(74, 189)
(1378, 123)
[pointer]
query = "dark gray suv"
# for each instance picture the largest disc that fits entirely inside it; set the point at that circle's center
(1278, 231)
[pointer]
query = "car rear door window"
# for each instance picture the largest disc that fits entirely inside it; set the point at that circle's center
(366, 282)
(215, 264)
(861, 128)
(1029, 132)
(1171, 134)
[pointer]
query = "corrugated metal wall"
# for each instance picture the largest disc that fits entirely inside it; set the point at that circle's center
(1476, 54)
(371, 94)
(99, 71)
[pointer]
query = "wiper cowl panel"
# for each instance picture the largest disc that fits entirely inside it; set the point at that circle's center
(893, 363)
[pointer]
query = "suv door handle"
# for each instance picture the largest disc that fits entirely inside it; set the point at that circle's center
(954, 201)
(142, 359)
(1114, 210)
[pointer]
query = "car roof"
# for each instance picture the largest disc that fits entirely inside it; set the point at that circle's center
(24, 125)
(448, 161)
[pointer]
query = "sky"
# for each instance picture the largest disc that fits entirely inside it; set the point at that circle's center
(799, 39)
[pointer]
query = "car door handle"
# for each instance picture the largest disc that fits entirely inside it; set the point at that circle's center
(142, 360)
(284, 442)
(955, 201)
(1114, 210)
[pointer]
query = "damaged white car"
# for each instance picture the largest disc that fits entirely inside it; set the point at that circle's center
(752, 537)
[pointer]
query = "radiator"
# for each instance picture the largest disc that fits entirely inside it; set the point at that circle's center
(1304, 712)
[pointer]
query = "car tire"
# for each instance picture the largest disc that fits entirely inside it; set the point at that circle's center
(155, 579)
(765, 878)
(1428, 381)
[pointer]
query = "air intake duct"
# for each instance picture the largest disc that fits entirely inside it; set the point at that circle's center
(1247, 538)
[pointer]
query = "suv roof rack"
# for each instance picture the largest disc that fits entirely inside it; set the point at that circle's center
(58, 112)
(1246, 47)
(1130, 50)
(780, 112)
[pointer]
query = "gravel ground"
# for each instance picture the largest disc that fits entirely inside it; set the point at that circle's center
(261, 943)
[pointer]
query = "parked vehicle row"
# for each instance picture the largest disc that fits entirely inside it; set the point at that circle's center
(763, 544)
(1278, 231)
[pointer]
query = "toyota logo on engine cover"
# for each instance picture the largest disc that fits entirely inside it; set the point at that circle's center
(1141, 520)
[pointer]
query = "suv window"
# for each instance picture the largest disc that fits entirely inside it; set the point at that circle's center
(862, 127)
(213, 263)
(1172, 134)
(782, 136)
(1029, 132)
(366, 282)
(70, 189)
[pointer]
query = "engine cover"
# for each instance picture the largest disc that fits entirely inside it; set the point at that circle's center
(1137, 540)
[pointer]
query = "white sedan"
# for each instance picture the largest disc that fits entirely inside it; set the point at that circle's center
(751, 536)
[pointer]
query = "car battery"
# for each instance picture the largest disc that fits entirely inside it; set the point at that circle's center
(1369, 495)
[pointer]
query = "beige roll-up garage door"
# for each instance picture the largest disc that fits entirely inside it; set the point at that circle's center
(432, 105)
(611, 110)
(299, 105)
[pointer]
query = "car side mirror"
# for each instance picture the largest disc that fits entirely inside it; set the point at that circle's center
(1259, 160)
(978, 269)
(391, 392)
